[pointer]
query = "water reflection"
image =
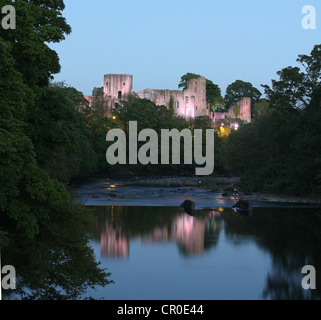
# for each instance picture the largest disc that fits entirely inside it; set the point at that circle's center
(192, 234)
(59, 263)
(289, 237)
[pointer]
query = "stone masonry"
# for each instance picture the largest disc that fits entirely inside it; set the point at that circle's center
(189, 103)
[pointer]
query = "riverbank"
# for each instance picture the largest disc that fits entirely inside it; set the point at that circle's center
(227, 189)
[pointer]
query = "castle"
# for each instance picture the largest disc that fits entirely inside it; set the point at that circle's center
(189, 103)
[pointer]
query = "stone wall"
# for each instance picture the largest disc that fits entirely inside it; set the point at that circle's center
(245, 112)
(189, 103)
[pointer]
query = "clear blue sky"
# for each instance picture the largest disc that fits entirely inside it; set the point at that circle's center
(158, 41)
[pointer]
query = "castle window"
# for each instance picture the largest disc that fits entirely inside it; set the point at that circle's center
(120, 94)
(176, 104)
(124, 83)
(107, 83)
(196, 107)
(165, 103)
(147, 95)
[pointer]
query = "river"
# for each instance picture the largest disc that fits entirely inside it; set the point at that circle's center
(154, 250)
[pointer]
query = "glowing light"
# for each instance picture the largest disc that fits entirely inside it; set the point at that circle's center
(114, 118)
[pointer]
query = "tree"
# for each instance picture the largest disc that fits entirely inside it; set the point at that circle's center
(202, 122)
(260, 108)
(186, 78)
(63, 145)
(39, 23)
(171, 105)
(236, 110)
(33, 206)
(281, 151)
(100, 106)
(214, 96)
(295, 88)
(240, 89)
(27, 194)
(143, 111)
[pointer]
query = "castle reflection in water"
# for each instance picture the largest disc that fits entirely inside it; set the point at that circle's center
(117, 228)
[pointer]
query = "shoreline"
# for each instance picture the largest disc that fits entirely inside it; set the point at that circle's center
(227, 187)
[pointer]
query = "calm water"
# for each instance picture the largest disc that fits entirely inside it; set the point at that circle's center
(164, 253)
(155, 251)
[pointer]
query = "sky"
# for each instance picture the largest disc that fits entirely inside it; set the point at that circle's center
(158, 41)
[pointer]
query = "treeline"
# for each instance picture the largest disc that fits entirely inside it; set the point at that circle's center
(44, 142)
(147, 115)
(281, 150)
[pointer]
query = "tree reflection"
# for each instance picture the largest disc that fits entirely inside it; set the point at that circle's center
(292, 237)
(59, 263)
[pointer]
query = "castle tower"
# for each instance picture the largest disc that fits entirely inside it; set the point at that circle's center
(195, 98)
(117, 86)
(245, 110)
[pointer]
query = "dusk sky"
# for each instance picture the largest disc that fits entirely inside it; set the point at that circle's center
(158, 41)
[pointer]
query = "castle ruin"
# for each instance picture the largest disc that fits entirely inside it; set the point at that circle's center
(189, 103)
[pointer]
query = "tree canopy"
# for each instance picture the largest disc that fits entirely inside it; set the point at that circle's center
(43, 140)
(280, 151)
(296, 88)
(240, 89)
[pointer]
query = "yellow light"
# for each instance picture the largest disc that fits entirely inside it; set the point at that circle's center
(114, 118)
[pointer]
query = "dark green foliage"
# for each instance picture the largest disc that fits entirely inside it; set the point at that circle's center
(281, 150)
(58, 132)
(185, 78)
(171, 105)
(59, 263)
(260, 108)
(143, 111)
(148, 116)
(26, 191)
(42, 135)
(240, 89)
(38, 23)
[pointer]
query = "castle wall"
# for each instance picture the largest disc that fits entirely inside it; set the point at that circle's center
(245, 112)
(189, 103)
(118, 85)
